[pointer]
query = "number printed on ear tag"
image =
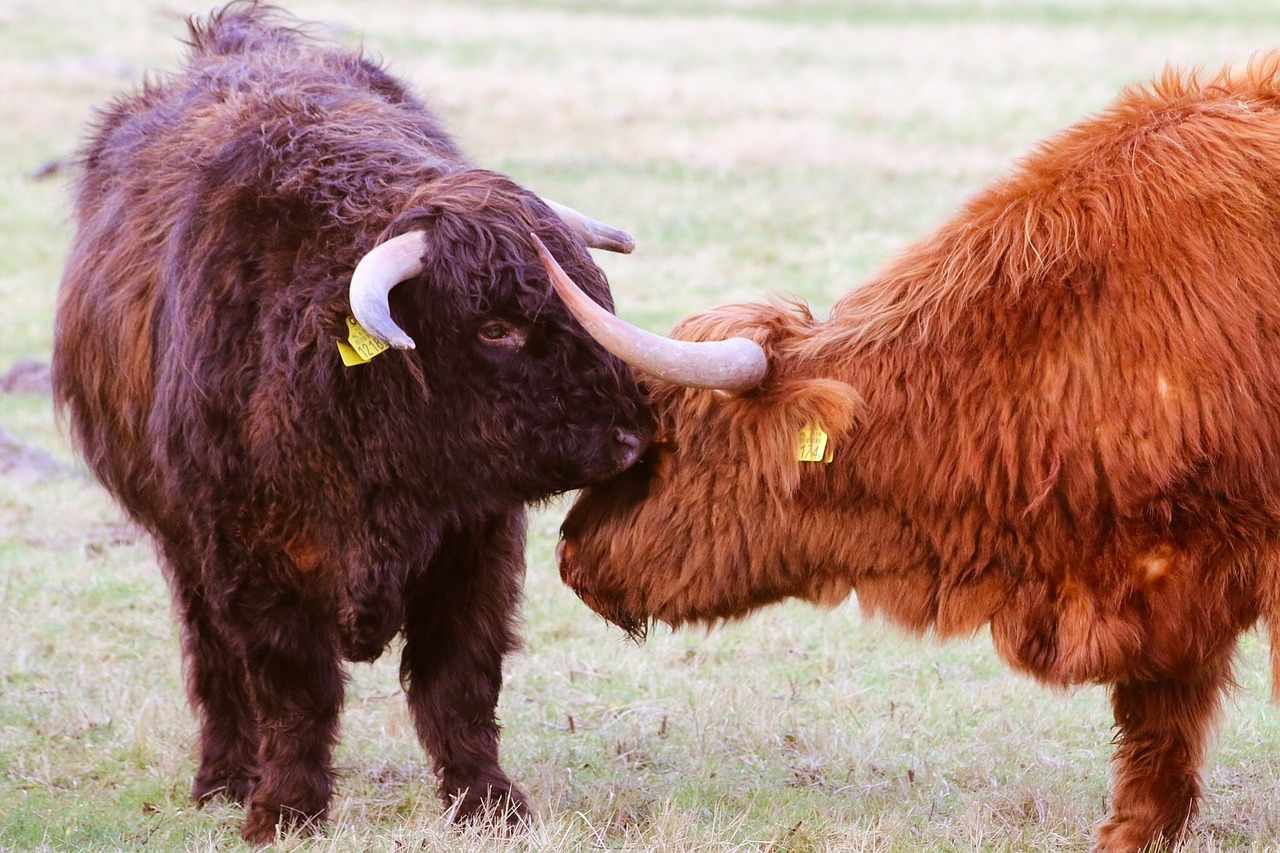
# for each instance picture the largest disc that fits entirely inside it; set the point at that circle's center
(814, 445)
(360, 347)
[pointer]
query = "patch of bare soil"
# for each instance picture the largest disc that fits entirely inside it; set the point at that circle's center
(27, 376)
(26, 461)
(17, 458)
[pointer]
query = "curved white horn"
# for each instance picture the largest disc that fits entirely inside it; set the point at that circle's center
(385, 266)
(595, 234)
(735, 364)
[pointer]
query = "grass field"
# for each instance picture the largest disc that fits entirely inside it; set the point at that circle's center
(749, 145)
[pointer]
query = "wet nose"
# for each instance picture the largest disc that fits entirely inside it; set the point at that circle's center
(629, 446)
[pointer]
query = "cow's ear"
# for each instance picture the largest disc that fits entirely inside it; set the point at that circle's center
(837, 406)
(764, 431)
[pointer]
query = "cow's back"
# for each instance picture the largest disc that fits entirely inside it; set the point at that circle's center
(1104, 323)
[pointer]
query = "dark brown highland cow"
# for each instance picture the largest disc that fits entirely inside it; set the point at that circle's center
(1057, 416)
(305, 511)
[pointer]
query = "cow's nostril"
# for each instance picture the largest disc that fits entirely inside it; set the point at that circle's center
(630, 446)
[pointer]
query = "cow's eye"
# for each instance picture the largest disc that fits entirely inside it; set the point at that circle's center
(499, 333)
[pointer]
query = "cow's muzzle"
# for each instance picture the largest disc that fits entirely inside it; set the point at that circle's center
(629, 446)
(567, 558)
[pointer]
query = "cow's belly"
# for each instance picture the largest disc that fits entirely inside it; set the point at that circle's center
(1155, 612)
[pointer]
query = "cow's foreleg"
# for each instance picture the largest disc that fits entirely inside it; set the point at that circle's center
(215, 682)
(295, 677)
(458, 627)
(1164, 727)
(218, 691)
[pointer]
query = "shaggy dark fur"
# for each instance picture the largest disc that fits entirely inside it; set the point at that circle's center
(304, 511)
(1057, 416)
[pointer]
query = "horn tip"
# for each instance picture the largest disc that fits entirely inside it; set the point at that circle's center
(544, 254)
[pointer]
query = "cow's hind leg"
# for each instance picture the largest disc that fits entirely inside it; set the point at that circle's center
(1164, 728)
(294, 672)
(458, 627)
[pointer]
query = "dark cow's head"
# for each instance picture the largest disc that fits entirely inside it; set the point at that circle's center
(546, 407)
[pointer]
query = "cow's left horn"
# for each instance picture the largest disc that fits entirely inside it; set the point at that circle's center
(384, 267)
(735, 364)
(595, 234)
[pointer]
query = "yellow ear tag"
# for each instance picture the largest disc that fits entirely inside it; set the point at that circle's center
(360, 347)
(814, 445)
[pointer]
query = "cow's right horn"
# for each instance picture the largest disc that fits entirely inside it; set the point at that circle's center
(595, 234)
(735, 364)
(385, 266)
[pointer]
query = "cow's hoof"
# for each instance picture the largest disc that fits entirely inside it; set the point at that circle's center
(1125, 834)
(264, 823)
(504, 808)
(213, 784)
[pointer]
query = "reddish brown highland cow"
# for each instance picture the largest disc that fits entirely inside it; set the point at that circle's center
(229, 216)
(1057, 416)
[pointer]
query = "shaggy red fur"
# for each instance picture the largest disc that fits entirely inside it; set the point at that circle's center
(1058, 415)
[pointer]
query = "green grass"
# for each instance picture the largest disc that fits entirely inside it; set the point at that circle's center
(750, 145)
